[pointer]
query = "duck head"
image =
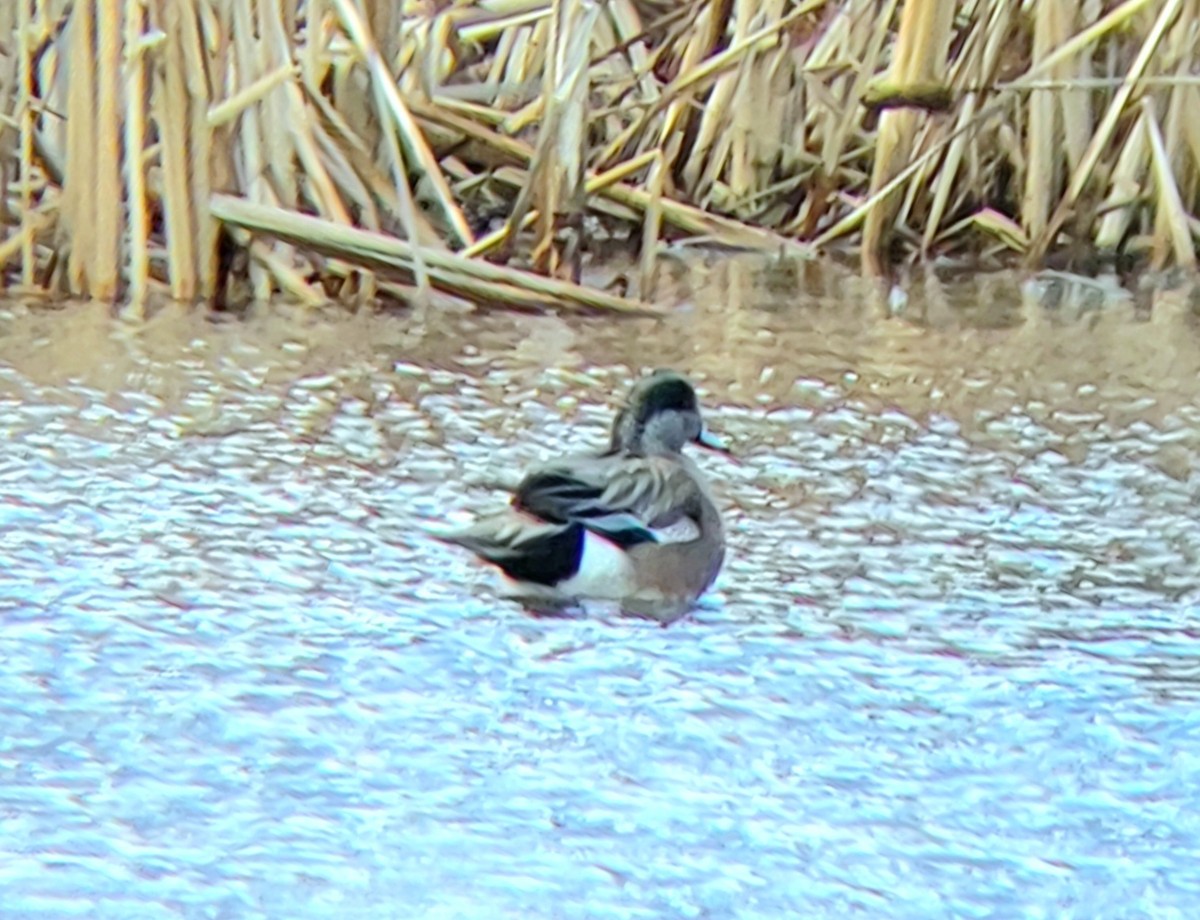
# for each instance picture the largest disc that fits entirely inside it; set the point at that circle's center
(661, 415)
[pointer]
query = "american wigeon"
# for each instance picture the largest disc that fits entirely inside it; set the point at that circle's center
(634, 524)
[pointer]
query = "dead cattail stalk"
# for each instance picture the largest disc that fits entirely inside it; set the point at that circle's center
(557, 167)
(917, 70)
(135, 142)
(109, 212)
(25, 114)
(1103, 134)
(171, 105)
(79, 190)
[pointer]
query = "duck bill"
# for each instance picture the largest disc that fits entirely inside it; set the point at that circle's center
(707, 439)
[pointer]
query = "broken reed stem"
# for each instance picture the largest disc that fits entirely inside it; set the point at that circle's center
(448, 271)
(762, 125)
(1170, 210)
(651, 227)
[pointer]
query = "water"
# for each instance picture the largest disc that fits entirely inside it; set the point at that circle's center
(951, 667)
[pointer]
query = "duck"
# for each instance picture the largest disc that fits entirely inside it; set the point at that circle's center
(635, 523)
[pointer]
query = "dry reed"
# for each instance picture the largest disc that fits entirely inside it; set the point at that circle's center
(317, 148)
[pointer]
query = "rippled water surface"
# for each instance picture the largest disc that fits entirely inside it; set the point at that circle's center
(951, 667)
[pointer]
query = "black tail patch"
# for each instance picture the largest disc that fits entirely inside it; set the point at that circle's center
(545, 558)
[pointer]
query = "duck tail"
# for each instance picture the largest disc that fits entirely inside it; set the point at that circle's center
(526, 549)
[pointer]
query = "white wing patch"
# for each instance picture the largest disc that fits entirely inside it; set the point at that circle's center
(681, 530)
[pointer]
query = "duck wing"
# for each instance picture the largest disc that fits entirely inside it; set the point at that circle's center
(623, 498)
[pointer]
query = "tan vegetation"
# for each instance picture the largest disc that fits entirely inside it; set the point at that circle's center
(246, 148)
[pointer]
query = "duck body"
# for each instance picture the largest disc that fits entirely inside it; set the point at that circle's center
(634, 524)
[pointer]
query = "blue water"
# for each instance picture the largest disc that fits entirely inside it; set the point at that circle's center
(951, 668)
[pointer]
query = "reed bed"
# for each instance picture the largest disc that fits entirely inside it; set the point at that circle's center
(227, 150)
